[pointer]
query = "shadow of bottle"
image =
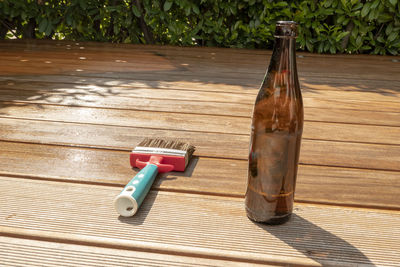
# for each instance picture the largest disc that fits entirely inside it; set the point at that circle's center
(316, 243)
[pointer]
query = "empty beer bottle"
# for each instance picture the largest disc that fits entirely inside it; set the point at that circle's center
(276, 131)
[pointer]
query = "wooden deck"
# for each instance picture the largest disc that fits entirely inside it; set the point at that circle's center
(71, 112)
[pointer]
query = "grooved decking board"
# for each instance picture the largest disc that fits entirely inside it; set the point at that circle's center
(349, 89)
(316, 184)
(53, 45)
(315, 152)
(25, 252)
(212, 67)
(347, 66)
(205, 226)
(180, 121)
(189, 101)
(208, 144)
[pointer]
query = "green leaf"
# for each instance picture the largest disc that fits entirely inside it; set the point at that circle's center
(341, 19)
(373, 14)
(43, 25)
(358, 6)
(375, 4)
(393, 2)
(187, 10)
(365, 9)
(237, 24)
(393, 51)
(83, 4)
(359, 41)
(309, 46)
(380, 39)
(389, 29)
(326, 47)
(167, 5)
(341, 36)
(232, 10)
(23, 15)
(196, 9)
(49, 29)
(328, 3)
(251, 24)
(321, 48)
(136, 11)
(385, 17)
(392, 36)
(116, 29)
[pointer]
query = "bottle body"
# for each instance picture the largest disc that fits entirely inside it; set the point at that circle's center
(277, 126)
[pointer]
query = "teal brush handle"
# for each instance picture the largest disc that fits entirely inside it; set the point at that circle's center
(132, 196)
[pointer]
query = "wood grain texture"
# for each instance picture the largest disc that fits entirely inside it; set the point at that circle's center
(25, 252)
(177, 120)
(346, 65)
(376, 90)
(317, 184)
(204, 226)
(315, 152)
(53, 45)
(235, 103)
(208, 144)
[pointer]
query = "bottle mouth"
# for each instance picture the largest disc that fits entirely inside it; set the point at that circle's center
(286, 29)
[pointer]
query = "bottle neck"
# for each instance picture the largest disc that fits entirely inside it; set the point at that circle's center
(284, 56)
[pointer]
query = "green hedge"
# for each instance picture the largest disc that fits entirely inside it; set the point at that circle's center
(329, 26)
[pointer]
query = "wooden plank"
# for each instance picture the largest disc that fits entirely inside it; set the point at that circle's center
(179, 121)
(316, 152)
(246, 68)
(137, 118)
(118, 137)
(329, 66)
(317, 184)
(354, 89)
(138, 99)
(342, 154)
(234, 103)
(332, 153)
(174, 74)
(208, 144)
(72, 81)
(24, 252)
(55, 45)
(208, 226)
(200, 70)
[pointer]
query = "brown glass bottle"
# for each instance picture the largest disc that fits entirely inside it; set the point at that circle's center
(276, 131)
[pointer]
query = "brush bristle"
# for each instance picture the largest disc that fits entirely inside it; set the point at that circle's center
(170, 144)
